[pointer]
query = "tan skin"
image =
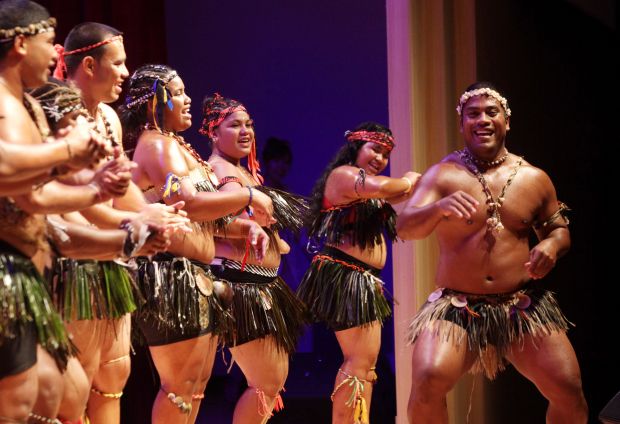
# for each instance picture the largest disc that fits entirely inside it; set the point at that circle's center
(449, 200)
(232, 142)
(105, 349)
(185, 367)
(360, 345)
(26, 65)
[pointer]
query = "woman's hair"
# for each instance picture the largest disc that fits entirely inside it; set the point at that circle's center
(146, 82)
(347, 155)
(84, 35)
(215, 109)
(57, 99)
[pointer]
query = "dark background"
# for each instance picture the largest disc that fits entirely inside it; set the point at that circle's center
(309, 70)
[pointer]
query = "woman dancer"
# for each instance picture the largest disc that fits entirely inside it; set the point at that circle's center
(267, 315)
(182, 304)
(351, 216)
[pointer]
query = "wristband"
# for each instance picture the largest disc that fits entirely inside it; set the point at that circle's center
(247, 208)
(68, 148)
(409, 187)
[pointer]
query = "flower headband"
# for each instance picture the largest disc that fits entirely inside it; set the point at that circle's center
(61, 66)
(32, 29)
(479, 92)
(377, 137)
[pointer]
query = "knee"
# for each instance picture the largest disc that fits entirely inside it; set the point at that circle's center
(76, 393)
(430, 381)
(566, 389)
(19, 402)
(113, 375)
(361, 365)
(51, 385)
(184, 383)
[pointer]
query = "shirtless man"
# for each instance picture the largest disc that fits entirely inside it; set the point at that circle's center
(31, 332)
(483, 202)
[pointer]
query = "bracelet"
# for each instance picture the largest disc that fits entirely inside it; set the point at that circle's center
(131, 247)
(247, 208)
(410, 185)
(68, 148)
(128, 245)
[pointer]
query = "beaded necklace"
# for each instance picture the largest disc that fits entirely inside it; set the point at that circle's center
(488, 163)
(494, 221)
(184, 144)
(109, 134)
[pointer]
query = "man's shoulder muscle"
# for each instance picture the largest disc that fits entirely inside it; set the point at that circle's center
(16, 125)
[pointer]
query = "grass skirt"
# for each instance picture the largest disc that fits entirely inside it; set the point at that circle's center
(88, 289)
(24, 299)
(493, 323)
(342, 291)
(263, 305)
(178, 296)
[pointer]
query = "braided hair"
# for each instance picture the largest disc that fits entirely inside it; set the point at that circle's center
(57, 99)
(148, 81)
(347, 155)
(215, 108)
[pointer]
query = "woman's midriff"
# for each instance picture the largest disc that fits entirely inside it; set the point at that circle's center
(235, 249)
(375, 256)
(197, 246)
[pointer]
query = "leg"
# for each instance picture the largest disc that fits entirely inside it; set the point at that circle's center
(18, 375)
(184, 369)
(360, 348)
(265, 367)
(113, 371)
(51, 385)
(75, 394)
(550, 363)
(437, 366)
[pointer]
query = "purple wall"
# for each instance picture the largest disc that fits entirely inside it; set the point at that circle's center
(307, 70)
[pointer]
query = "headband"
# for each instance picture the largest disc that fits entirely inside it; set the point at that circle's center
(132, 102)
(32, 29)
(208, 128)
(479, 92)
(61, 66)
(376, 137)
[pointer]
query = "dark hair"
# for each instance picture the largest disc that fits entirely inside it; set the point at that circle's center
(134, 115)
(482, 84)
(84, 35)
(19, 13)
(212, 106)
(57, 98)
(277, 148)
(347, 155)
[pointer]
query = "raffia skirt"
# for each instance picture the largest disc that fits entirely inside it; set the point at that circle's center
(342, 291)
(493, 323)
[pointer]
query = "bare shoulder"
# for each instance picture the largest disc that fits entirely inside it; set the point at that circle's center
(16, 124)
(153, 143)
(344, 171)
(534, 175)
(223, 168)
(449, 168)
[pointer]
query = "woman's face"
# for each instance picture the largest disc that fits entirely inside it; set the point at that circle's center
(179, 118)
(372, 158)
(235, 135)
